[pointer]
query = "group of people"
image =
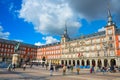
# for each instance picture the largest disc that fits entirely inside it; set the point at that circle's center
(105, 69)
(64, 69)
(12, 67)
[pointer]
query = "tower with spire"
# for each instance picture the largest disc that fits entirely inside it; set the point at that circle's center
(65, 36)
(110, 22)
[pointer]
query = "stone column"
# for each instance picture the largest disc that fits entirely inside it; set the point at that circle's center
(96, 64)
(67, 62)
(90, 63)
(71, 61)
(64, 62)
(80, 62)
(102, 61)
(85, 63)
(75, 62)
(109, 63)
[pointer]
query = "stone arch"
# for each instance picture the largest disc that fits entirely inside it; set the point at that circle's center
(69, 62)
(73, 62)
(83, 63)
(112, 62)
(88, 62)
(78, 62)
(66, 62)
(62, 62)
(93, 62)
(105, 62)
(99, 63)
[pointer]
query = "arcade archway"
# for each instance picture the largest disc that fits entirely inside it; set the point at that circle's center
(105, 62)
(99, 63)
(88, 62)
(112, 62)
(93, 62)
(69, 62)
(62, 62)
(66, 62)
(73, 62)
(83, 63)
(78, 62)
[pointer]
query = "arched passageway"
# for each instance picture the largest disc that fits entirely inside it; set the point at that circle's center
(112, 62)
(105, 62)
(99, 63)
(88, 62)
(69, 62)
(78, 62)
(93, 62)
(66, 62)
(83, 63)
(73, 62)
(62, 62)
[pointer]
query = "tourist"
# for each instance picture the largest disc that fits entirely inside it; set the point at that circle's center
(71, 67)
(51, 70)
(13, 66)
(24, 66)
(64, 70)
(78, 69)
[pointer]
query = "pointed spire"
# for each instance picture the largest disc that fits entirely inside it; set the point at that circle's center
(65, 31)
(110, 22)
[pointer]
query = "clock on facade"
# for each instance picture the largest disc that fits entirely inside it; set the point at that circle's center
(109, 31)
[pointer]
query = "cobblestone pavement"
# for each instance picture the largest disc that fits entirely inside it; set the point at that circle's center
(38, 73)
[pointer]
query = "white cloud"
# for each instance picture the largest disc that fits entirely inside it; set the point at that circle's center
(48, 40)
(18, 40)
(48, 16)
(101, 29)
(39, 44)
(3, 35)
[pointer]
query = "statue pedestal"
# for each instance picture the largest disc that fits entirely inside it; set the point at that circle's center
(15, 59)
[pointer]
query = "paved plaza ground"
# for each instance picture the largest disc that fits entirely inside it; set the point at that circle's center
(39, 73)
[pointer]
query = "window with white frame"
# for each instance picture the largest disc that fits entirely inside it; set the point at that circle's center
(119, 45)
(112, 53)
(119, 38)
(92, 47)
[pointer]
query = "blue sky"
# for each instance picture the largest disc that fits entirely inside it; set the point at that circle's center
(43, 21)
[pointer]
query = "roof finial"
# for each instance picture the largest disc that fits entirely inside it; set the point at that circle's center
(110, 22)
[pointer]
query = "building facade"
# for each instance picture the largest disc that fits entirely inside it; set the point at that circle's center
(97, 49)
(26, 51)
(50, 52)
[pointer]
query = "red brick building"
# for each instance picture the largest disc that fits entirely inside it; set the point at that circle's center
(26, 51)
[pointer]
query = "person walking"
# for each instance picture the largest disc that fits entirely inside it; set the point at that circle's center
(64, 70)
(9, 67)
(13, 67)
(77, 69)
(51, 70)
(24, 66)
(71, 67)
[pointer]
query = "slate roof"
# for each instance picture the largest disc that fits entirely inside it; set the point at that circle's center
(15, 42)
